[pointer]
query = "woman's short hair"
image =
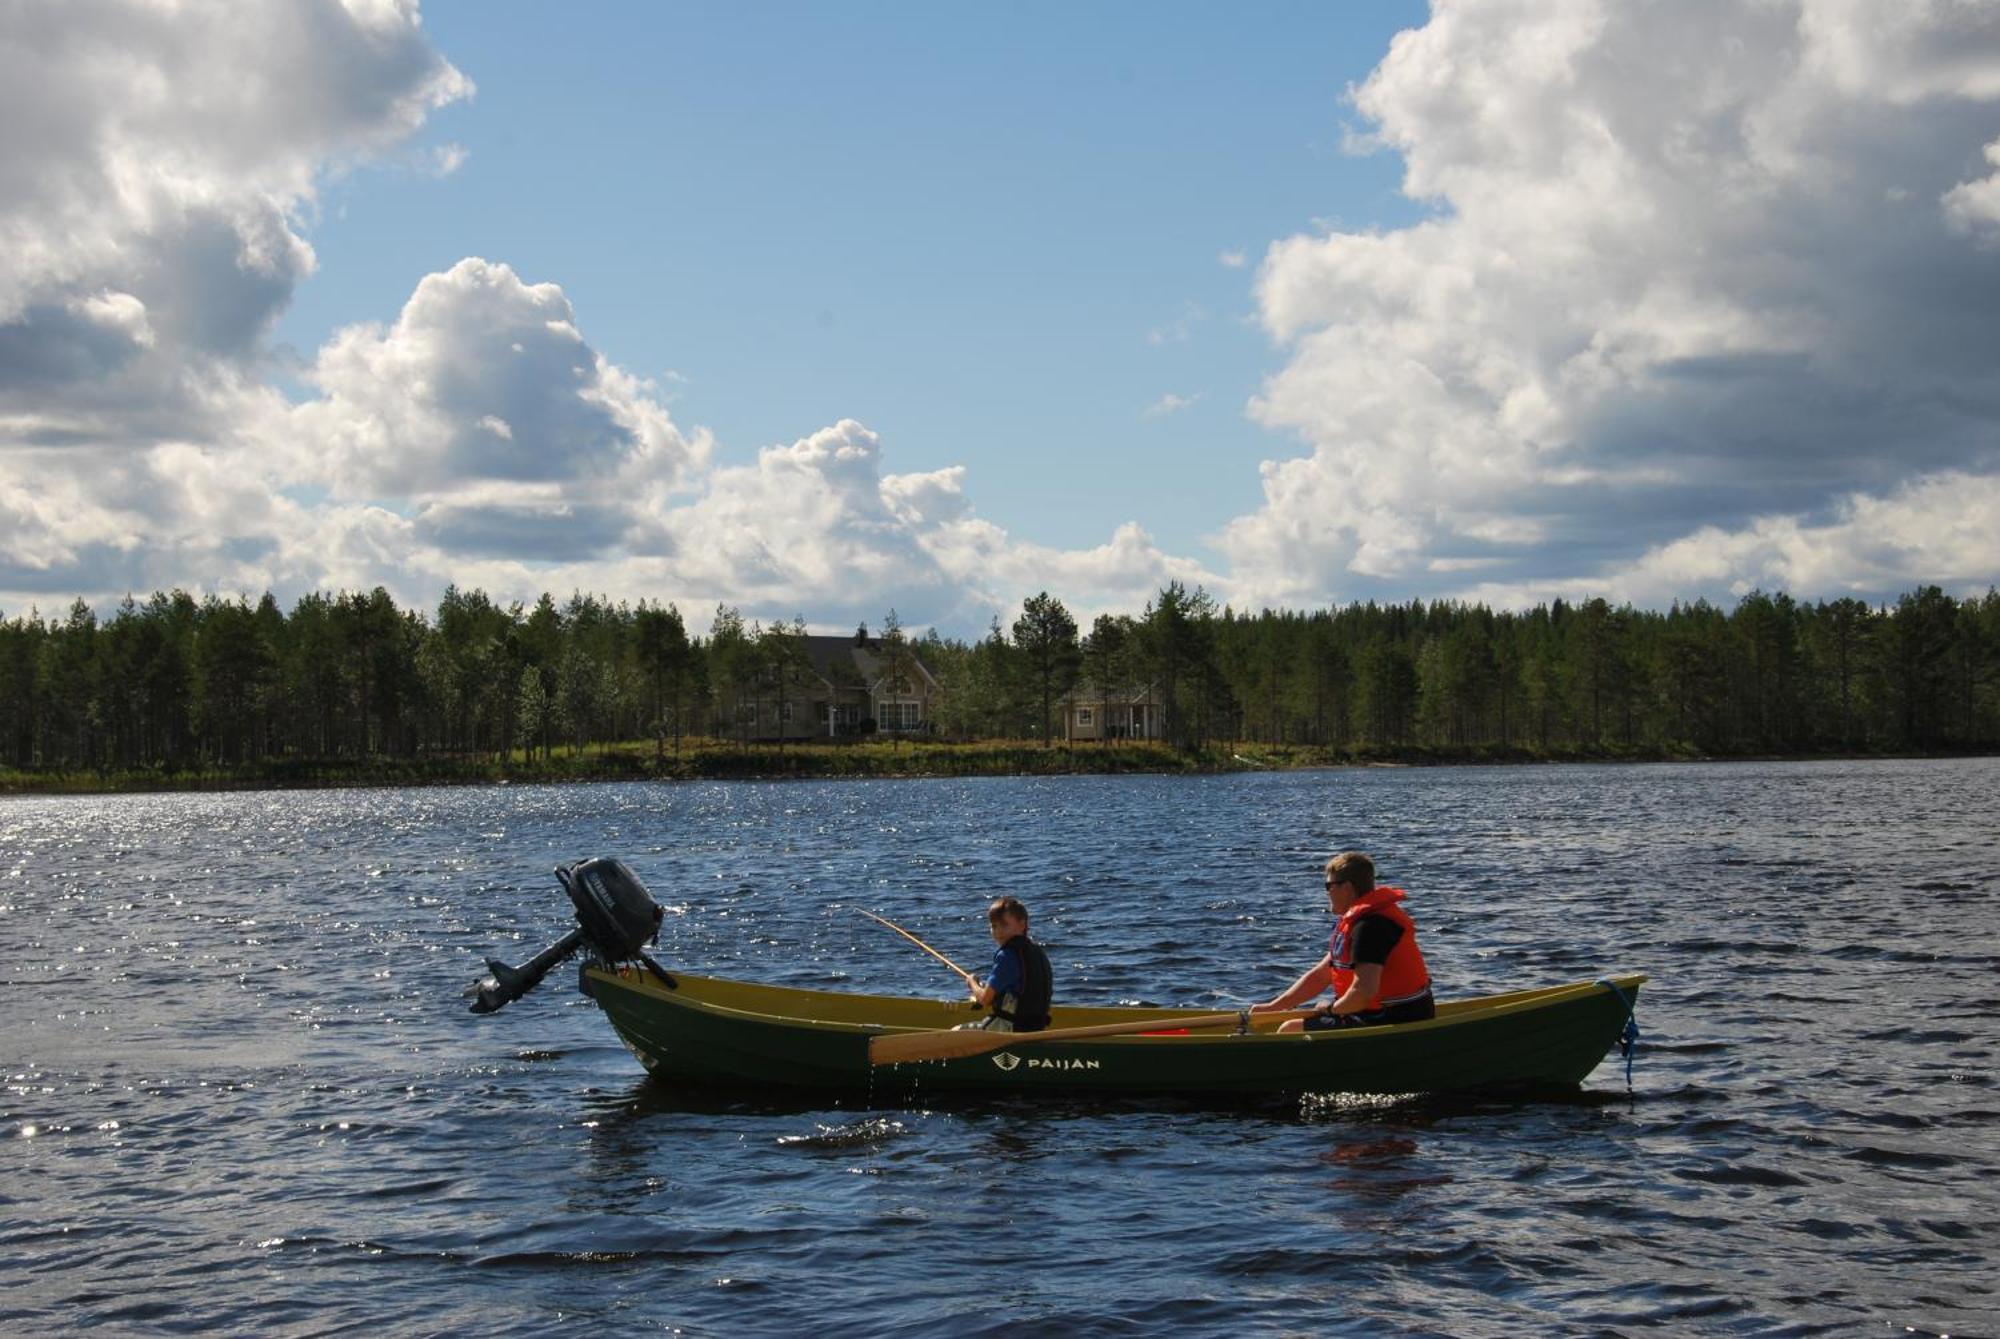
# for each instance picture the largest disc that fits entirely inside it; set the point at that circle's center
(1352, 867)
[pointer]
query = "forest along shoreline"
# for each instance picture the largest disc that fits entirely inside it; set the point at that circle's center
(792, 762)
(176, 693)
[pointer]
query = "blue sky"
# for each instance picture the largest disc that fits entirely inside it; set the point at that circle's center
(824, 311)
(993, 235)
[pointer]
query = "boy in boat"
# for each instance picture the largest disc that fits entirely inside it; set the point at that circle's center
(1372, 961)
(1017, 991)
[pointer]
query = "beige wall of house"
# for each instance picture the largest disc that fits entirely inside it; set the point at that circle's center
(1112, 720)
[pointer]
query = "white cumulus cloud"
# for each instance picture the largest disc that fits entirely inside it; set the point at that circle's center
(483, 380)
(1974, 205)
(158, 177)
(1703, 296)
(1690, 272)
(156, 164)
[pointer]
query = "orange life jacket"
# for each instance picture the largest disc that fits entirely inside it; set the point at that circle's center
(1404, 976)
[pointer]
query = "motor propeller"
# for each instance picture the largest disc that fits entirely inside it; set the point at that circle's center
(616, 918)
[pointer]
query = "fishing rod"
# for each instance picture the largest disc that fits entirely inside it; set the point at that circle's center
(884, 920)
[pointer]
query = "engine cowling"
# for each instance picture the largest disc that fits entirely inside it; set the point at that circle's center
(618, 916)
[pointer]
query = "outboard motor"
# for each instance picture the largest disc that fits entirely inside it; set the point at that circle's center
(616, 918)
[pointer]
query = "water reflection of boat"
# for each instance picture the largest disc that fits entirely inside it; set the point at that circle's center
(712, 1031)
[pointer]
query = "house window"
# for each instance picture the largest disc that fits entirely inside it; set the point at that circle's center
(1085, 716)
(746, 713)
(896, 716)
(785, 712)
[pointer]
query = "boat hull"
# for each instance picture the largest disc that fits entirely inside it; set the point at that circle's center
(716, 1032)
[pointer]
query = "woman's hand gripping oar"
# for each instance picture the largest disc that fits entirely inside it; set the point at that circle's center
(971, 983)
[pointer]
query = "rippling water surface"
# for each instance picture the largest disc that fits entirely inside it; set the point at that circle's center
(243, 1092)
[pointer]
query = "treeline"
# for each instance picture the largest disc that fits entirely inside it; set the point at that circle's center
(176, 683)
(1771, 676)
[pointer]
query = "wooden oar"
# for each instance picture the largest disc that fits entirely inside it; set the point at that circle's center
(899, 1048)
(884, 920)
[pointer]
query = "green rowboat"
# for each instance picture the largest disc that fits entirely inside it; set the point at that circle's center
(707, 1030)
(718, 1032)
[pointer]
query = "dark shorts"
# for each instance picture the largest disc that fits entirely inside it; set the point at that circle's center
(1410, 1011)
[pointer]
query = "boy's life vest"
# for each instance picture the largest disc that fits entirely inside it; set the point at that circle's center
(1028, 1008)
(1404, 976)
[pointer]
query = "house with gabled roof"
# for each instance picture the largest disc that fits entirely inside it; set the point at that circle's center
(1126, 711)
(847, 688)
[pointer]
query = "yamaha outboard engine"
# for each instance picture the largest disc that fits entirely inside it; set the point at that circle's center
(615, 916)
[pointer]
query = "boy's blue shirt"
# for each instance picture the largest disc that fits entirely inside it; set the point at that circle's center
(1005, 977)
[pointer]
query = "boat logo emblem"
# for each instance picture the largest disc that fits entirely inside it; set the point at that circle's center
(1006, 1060)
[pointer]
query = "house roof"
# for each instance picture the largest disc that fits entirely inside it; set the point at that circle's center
(840, 660)
(1087, 694)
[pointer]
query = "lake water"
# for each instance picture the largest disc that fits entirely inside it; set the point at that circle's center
(243, 1091)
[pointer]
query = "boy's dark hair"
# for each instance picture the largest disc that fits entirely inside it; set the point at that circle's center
(1006, 906)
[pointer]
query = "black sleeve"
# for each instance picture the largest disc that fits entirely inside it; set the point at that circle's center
(1374, 937)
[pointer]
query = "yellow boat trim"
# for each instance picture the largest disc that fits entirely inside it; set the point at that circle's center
(837, 1011)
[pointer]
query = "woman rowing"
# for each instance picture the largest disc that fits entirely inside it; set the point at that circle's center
(1372, 961)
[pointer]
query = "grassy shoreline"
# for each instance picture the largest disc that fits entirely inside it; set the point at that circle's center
(721, 760)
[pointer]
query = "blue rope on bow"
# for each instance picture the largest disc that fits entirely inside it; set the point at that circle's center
(1628, 1039)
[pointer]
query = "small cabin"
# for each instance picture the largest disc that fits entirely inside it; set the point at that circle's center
(1123, 712)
